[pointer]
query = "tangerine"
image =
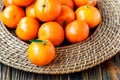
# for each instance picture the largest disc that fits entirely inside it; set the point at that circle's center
(77, 31)
(79, 3)
(30, 12)
(41, 52)
(67, 3)
(27, 28)
(51, 31)
(47, 10)
(66, 16)
(91, 15)
(11, 18)
(7, 2)
(22, 2)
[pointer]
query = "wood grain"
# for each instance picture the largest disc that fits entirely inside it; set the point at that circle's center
(109, 70)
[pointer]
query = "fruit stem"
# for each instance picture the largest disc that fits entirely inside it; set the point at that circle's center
(92, 1)
(64, 22)
(44, 5)
(44, 42)
(88, 6)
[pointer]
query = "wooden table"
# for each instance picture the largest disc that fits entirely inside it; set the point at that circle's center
(109, 70)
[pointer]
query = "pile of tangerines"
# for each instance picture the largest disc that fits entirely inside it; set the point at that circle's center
(51, 21)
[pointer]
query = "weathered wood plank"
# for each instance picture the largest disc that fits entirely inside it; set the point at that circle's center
(0, 71)
(110, 70)
(5, 72)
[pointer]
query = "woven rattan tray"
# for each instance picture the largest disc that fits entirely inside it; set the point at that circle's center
(100, 46)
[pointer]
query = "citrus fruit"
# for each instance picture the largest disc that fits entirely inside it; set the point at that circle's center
(66, 16)
(91, 15)
(30, 12)
(79, 3)
(67, 3)
(27, 28)
(11, 18)
(47, 10)
(41, 52)
(7, 2)
(51, 31)
(22, 2)
(76, 31)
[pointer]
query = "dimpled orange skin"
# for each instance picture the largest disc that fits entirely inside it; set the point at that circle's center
(27, 28)
(11, 18)
(51, 31)
(77, 31)
(7, 2)
(79, 3)
(66, 16)
(89, 14)
(47, 10)
(30, 12)
(69, 3)
(40, 54)
(22, 2)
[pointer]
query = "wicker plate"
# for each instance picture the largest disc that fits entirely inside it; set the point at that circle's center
(102, 45)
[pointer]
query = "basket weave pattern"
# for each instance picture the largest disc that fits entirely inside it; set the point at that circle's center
(100, 46)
